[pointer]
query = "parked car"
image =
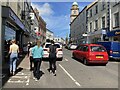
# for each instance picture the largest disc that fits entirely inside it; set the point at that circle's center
(59, 49)
(91, 53)
(113, 48)
(72, 46)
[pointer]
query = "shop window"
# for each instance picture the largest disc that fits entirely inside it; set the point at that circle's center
(9, 35)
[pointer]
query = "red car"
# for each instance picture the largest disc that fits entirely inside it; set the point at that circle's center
(91, 53)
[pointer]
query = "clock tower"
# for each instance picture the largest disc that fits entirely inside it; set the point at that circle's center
(74, 11)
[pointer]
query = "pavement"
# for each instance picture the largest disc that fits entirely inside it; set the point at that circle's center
(71, 73)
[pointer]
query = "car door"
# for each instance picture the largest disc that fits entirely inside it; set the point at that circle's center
(79, 53)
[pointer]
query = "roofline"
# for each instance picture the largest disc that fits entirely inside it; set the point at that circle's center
(92, 4)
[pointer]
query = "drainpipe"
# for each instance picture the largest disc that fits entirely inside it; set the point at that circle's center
(1, 51)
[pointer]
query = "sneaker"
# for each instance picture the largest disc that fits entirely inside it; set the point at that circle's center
(36, 79)
(54, 74)
(13, 73)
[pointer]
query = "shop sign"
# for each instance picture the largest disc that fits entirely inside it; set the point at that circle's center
(117, 33)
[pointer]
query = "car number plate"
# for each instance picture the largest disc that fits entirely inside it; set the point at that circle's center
(99, 56)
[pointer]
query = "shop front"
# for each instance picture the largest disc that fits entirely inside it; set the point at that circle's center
(12, 28)
(114, 35)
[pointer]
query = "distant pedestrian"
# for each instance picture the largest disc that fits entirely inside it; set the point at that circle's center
(52, 58)
(14, 50)
(28, 47)
(37, 53)
(31, 57)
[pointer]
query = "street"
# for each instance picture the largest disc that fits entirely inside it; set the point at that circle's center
(71, 73)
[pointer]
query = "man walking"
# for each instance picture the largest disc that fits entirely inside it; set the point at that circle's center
(52, 58)
(37, 53)
(14, 50)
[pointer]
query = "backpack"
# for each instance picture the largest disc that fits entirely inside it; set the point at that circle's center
(52, 53)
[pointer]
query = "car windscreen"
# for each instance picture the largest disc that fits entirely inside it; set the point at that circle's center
(57, 45)
(97, 49)
(47, 45)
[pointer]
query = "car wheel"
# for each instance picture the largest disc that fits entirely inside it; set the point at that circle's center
(85, 62)
(60, 59)
(73, 55)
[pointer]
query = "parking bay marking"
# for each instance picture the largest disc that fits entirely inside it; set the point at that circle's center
(70, 76)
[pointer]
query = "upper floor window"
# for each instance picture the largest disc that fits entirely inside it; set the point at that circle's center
(96, 24)
(103, 5)
(116, 19)
(96, 9)
(91, 27)
(91, 13)
(74, 12)
(103, 22)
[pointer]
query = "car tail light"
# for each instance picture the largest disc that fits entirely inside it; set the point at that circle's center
(111, 51)
(59, 49)
(45, 50)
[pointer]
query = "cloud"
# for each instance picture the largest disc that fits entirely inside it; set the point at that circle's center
(44, 10)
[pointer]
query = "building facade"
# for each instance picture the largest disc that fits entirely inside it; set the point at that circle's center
(42, 29)
(114, 33)
(78, 28)
(34, 25)
(97, 21)
(49, 35)
(15, 24)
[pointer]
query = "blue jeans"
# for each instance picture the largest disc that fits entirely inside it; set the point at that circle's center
(13, 60)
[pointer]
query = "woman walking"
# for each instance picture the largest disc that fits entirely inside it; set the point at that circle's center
(14, 50)
(37, 53)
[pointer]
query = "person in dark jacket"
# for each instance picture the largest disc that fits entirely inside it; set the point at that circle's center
(52, 58)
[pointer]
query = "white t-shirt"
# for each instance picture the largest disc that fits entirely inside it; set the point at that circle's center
(30, 50)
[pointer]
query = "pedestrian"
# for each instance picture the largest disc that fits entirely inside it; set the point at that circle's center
(28, 47)
(31, 57)
(52, 58)
(37, 53)
(13, 51)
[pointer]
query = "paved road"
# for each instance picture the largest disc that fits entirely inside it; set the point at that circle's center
(71, 73)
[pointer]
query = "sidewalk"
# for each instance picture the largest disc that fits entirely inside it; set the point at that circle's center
(25, 63)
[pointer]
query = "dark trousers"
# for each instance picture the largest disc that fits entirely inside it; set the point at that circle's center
(52, 64)
(37, 64)
(31, 61)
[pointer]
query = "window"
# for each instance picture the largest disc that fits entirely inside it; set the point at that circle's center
(103, 5)
(103, 22)
(91, 27)
(96, 9)
(97, 49)
(116, 18)
(74, 12)
(85, 48)
(91, 13)
(96, 24)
